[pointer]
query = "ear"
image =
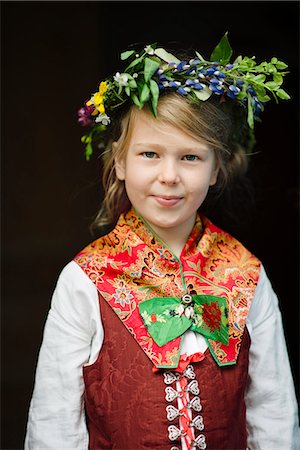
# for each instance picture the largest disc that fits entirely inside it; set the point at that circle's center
(120, 164)
(214, 175)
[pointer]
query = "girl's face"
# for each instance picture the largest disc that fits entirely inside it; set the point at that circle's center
(167, 174)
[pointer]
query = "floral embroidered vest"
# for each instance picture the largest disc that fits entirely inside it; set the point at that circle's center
(131, 264)
(130, 406)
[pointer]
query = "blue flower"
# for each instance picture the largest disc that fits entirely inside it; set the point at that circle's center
(181, 91)
(251, 91)
(230, 95)
(234, 89)
(198, 86)
(195, 61)
(190, 82)
(162, 77)
(217, 89)
(239, 82)
(181, 65)
(219, 74)
(174, 84)
(210, 70)
(229, 66)
(216, 81)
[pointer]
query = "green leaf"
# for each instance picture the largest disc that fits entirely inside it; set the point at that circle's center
(282, 94)
(127, 90)
(271, 85)
(281, 65)
(250, 118)
(165, 56)
(264, 98)
(274, 60)
(150, 68)
(135, 62)
(222, 51)
(145, 94)
(88, 151)
(277, 78)
(155, 94)
(136, 100)
(204, 94)
(126, 55)
(259, 78)
(238, 60)
(200, 56)
(132, 84)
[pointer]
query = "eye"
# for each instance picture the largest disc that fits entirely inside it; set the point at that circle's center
(191, 158)
(149, 155)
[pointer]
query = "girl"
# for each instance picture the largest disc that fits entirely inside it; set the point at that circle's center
(165, 333)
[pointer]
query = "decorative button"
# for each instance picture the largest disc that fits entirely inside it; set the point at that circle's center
(193, 387)
(186, 299)
(169, 377)
(199, 442)
(171, 394)
(172, 412)
(174, 433)
(189, 372)
(197, 422)
(195, 404)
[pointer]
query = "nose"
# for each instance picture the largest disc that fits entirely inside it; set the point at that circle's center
(168, 173)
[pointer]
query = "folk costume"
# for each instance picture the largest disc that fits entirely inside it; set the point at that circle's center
(201, 389)
(145, 350)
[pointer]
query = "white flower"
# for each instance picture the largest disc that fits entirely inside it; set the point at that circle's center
(179, 309)
(189, 312)
(149, 50)
(135, 75)
(102, 118)
(121, 78)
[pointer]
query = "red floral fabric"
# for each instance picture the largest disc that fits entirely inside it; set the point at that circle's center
(130, 264)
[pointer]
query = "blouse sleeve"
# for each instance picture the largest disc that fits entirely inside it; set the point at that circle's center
(272, 411)
(56, 417)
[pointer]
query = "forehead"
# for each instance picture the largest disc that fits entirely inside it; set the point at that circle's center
(147, 129)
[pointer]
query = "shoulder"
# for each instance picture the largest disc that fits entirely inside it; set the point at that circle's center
(75, 295)
(265, 303)
(73, 279)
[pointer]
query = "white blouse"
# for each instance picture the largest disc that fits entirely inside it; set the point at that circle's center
(73, 336)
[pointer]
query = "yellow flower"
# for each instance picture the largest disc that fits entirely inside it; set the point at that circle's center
(102, 87)
(97, 99)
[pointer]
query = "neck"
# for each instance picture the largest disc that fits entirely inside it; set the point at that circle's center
(175, 238)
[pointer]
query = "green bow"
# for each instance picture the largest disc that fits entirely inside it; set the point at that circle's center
(166, 318)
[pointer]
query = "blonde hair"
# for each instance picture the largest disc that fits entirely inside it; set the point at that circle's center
(209, 121)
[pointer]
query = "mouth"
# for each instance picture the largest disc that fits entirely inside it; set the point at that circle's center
(167, 200)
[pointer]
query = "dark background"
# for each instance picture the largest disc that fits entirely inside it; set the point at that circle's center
(53, 55)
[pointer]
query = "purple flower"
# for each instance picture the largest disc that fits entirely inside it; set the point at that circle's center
(85, 115)
(229, 66)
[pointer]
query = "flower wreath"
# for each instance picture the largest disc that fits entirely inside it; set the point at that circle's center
(154, 70)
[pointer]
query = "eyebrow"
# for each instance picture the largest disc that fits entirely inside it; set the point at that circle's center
(202, 147)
